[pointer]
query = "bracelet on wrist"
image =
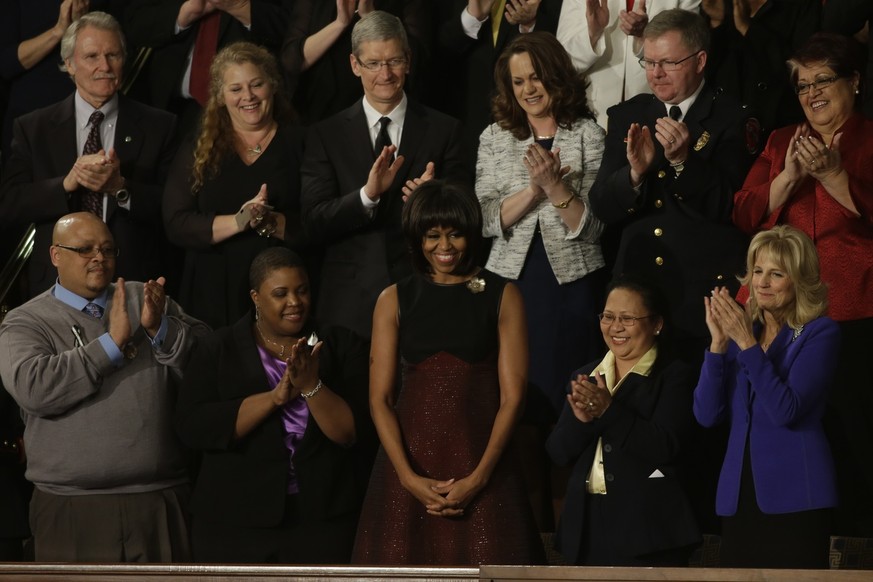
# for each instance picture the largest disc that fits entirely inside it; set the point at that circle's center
(565, 203)
(313, 392)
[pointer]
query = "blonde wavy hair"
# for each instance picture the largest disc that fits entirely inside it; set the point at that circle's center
(794, 253)
(217, 137)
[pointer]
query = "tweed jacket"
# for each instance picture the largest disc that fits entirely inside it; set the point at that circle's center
(500, 173)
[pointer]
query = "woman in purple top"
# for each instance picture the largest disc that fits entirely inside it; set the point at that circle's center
(766, 374)
(275, 420)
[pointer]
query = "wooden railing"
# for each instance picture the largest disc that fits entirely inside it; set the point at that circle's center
(20, 572)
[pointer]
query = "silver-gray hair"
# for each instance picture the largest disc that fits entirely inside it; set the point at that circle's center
(378, 25)
(100, 20)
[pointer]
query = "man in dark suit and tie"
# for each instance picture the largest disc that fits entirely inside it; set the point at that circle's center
(358, 167)
(95, 151)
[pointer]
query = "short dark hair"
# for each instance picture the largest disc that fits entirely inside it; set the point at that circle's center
(836, 51)
(271, 259)
(439, 203)
(654, 299)
(566, 85)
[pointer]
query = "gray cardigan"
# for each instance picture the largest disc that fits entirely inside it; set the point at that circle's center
(92, 427)
(500, 173)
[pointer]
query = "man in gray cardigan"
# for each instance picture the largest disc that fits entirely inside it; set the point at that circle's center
(89, 363)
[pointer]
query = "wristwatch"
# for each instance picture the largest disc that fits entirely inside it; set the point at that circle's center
(122, 196)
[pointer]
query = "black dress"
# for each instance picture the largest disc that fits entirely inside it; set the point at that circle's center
(446, 408)
(215, 284)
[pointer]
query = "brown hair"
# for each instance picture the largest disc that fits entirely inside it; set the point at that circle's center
(566, 86)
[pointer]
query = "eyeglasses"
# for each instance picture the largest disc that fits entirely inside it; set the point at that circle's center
(625, 320)
(376, 66)
(803, 88)
(666, 65)
(91, 251)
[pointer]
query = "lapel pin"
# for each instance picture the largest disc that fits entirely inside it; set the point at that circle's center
(127, 139)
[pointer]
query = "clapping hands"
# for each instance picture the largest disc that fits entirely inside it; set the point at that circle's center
(728, 320)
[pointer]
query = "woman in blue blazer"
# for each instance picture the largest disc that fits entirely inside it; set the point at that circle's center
(767, 373)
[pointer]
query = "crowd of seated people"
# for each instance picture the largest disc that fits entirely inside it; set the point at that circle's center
(453, 184)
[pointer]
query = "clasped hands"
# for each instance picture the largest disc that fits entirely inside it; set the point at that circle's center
(728, 320)
(100, 172)
(673, 136)
(444, 498)
(589, 397)
(301, 372)
(154, 302)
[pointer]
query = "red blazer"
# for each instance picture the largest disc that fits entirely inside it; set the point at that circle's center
(844, 241)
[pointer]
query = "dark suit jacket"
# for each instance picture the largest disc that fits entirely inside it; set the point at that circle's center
(364, 254)
(645, 429)
(44, 150)
(244, 482)
(677, 229)
(151, 23)
(752, 68)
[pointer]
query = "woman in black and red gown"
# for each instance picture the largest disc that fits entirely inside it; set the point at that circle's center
(445, 489)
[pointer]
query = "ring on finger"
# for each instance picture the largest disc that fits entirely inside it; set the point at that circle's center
(672, 139)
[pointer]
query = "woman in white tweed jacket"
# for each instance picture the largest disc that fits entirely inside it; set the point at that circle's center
(534, 170)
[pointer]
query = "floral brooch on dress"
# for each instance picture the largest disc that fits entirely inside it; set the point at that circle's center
(797, 333)
(476, 285)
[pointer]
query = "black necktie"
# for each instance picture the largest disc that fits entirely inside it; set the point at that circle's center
(383, 139)
(675, 112)
(93, 201)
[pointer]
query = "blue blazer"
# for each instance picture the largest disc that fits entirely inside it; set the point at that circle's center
(775, 401)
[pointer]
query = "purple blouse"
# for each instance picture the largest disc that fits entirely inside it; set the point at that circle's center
(295, 414)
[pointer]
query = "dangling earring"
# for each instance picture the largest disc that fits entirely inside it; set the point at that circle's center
(257, 313)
